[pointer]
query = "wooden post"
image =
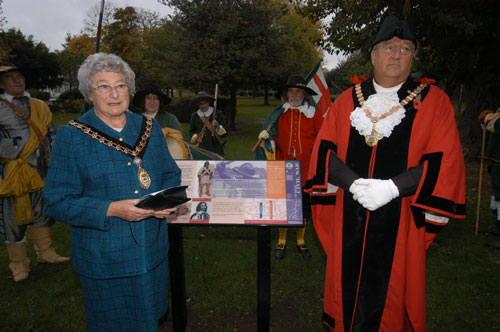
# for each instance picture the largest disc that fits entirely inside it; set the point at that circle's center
(483, 141)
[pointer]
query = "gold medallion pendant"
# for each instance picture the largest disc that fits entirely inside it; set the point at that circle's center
(142, 175)
(372, 139)
(147, 125)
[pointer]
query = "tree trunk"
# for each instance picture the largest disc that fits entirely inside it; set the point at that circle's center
(266, 96)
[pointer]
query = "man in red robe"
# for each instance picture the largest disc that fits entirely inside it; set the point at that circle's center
(386, 174)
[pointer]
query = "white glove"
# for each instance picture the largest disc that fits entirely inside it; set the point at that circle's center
(194, 139)
(264, 134)
(355, 188)
(373, 193)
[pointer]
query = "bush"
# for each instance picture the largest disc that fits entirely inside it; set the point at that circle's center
(69, 106)
(183, 107)
(43, 95)
(70, 101)
(69, 94)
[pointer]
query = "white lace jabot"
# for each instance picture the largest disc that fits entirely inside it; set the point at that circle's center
(305, 108)
(378, 104)
(207, 113)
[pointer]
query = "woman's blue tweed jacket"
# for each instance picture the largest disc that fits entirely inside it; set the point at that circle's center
(85, 176)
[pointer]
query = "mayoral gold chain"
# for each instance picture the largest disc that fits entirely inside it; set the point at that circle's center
(142, 175)
(372, 139)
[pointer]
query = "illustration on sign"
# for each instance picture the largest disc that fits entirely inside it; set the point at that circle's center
(241, 192)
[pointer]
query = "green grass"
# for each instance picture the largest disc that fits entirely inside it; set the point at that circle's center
(253, 108)
(463, 275)
(63, 118)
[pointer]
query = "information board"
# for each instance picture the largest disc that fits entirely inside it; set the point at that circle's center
(241, 192)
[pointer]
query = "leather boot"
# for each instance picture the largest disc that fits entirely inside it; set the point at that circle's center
(19, 263)
(42, 242)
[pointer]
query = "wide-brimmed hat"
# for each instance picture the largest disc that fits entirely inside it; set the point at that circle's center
(148, 88)
(394, 27)
(202, 96)
(246, 170)
(297, 81)
(8, 67)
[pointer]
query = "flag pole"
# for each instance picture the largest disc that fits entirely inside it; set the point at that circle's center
(99, 26)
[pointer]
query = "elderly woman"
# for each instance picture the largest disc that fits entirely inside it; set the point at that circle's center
(101, 165)
(151, 101)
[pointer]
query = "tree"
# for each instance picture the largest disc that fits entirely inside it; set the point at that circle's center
(299, 38)
(4, 49)
(340, 77)
(3, 20)
(125, 31)
(40, 67)
(458, 41)
(127, 34)
(158, 52)
(92, 20)
(233, 43)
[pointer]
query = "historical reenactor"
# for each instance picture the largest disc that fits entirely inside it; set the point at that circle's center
(288, 134)
(207, 125)
(26, 135)
(386, 175)
(152, 102)
(492, 153)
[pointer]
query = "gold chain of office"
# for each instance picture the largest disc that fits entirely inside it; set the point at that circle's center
(372, 139)
(117, 146)
(142, 175)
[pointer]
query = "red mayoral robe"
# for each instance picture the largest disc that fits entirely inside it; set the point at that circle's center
(375, 273)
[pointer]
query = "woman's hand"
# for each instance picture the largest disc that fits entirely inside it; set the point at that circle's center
(163, 213)
(127, 210)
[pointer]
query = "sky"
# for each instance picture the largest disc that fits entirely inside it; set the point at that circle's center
(49, 21)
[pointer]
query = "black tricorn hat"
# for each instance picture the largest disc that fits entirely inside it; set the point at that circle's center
(394, 27)
(148, 88)
(202, 96)
(297, 81)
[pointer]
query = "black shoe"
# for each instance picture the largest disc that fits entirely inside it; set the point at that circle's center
(280, 251)
(302, 249)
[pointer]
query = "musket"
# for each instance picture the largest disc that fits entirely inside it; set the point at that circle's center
(206, 122)
(215, 104)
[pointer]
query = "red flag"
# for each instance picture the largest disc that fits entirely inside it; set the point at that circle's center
(316, 81)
